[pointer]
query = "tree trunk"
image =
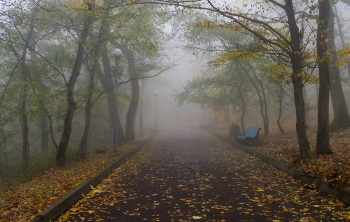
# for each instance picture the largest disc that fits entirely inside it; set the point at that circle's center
(71, 104)
(228, 118)
(43, 121)
(89, 104)
(135, 94)
(44, 129)
(141, 118)
(107, 83)
(243, 110)
(131, 114)
(25, 76)
(143, 87)
(84, 139)
(262, 98)
(341, 118)
(341, 36)
(306, 107)
(322, 144)
(25, 129)
(296, 60)
(280, 108)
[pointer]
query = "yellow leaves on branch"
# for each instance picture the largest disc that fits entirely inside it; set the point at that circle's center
(282, 73)
(276, 71)
(206, 24)
(308, 77)
(82, 4)
(230, 56)
(345, 51)
(210, 25)
(343, 56)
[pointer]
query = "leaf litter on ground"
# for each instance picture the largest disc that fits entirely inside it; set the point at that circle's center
(123, 194)
(22, 202)
(334, 168)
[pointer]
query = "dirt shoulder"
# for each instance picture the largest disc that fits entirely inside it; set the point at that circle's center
(334, 168)
(23, 201)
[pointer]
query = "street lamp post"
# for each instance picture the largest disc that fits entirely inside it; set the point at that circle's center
(155, 107)
(116, 75)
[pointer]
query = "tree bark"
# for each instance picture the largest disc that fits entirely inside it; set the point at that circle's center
(43, 121)
(243, 107)
(143, 87)
(322, 143)
(84, 139)
(44, 131)
(341, 118)
(71, 104)
(227, 112)
(25, 128)
(135, 94)
(280, 108)
(92, 73)
(25, 76)
(131, 114)
(296, 60)
(341, 36)
(262, 99)
(107, 83)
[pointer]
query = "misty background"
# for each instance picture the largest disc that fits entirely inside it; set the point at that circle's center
(59, 73)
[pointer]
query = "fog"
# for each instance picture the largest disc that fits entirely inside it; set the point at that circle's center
(167, 85)
(188, 66)
(56, 89)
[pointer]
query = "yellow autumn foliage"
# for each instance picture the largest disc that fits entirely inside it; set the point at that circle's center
(276, 71)
(210, 25)
(280, 72)
(81, 4)
(237, 55)
(206, 24)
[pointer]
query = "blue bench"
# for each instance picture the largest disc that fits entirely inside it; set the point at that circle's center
(251, 137)
(208, 124)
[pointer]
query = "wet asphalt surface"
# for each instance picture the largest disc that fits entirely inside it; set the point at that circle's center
(189, 175)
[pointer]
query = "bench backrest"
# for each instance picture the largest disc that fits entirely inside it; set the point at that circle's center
(252, 132)
(208, 123)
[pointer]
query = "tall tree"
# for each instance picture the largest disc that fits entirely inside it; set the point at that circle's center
(92, 66)
(280, 108)
(71, 104)
(322, 144)
(260, 90)
(291, 46)
(43, 120)
(275, 37)
(142, 92)
(107, 80)
(139, 42)
(296, 61)
(341, 118)
(227, 86)
(135, 91)
(341, 35)
(21, 56)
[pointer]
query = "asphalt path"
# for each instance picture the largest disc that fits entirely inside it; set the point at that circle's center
(189, 175)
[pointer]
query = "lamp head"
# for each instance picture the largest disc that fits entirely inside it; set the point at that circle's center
(117, 52)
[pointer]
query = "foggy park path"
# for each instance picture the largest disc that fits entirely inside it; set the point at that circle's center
(189, 175)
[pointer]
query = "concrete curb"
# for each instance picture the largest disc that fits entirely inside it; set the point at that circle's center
(63, 204)
(338, 193)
